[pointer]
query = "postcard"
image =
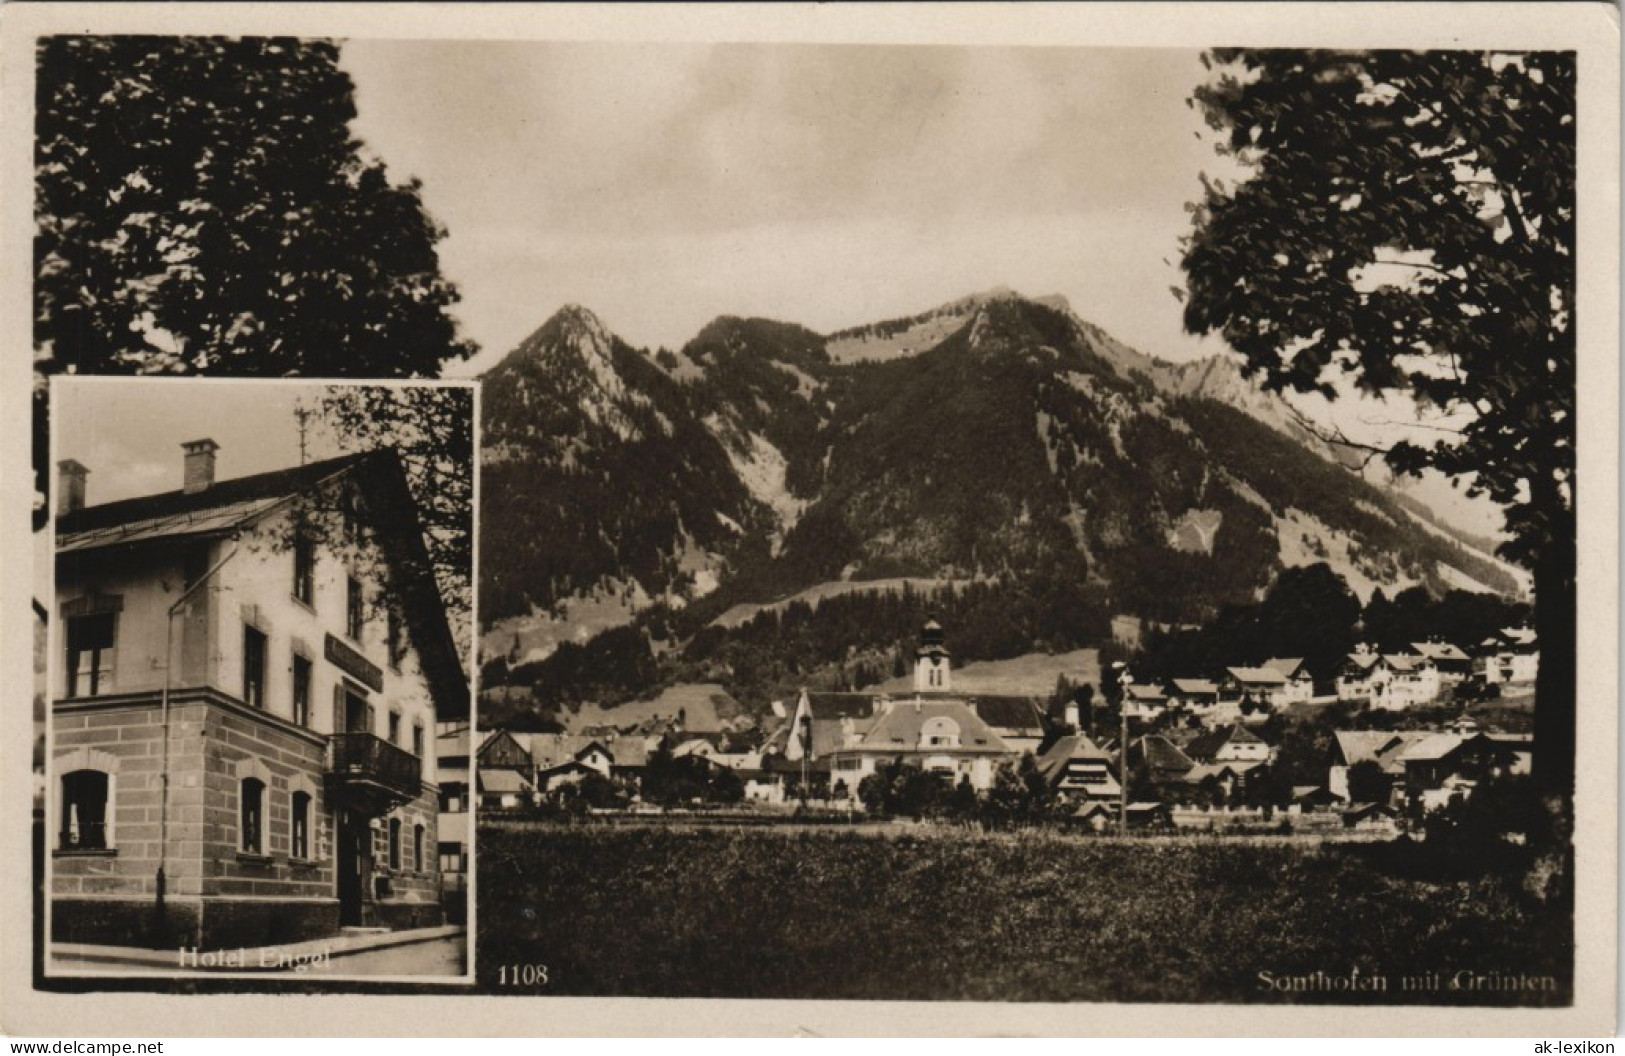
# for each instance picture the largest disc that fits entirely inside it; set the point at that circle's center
(1050, 519)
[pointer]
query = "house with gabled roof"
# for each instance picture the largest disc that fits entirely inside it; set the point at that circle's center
(1231, 744)
(1511, 657)
(1077, 770)
(1443, 766)
(1356, 676)
(1200, 697)
(1144, 702)
(507, 750)
(1163, 760)
(249, 675)
(1252, 689)
(1389, 681)
(561, 758)
(1385, 748)
(504, 789)
(1451, 660)
(455, 826)
(1298, 685)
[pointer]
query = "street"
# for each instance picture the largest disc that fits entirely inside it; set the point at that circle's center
(441, 957)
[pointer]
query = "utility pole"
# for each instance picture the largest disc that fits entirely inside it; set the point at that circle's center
(302, 415)
(1123, 682)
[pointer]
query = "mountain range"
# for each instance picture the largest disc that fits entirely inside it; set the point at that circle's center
(995, 439)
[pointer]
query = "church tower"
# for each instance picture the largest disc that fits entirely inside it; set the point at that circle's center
(931, 662)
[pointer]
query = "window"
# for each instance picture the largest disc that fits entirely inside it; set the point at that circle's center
(84, 811)
(395, 727)
(252, 795)
(940, 732)
(350, 513)
(394, 843)
(417, 849)
(396, 645)
(253, 667)
(352, 609)
(417, 739)
(304, 569)
(301, 691)
(300, 845)
(90, 654)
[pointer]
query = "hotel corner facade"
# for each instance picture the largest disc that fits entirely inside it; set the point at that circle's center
(245, 690)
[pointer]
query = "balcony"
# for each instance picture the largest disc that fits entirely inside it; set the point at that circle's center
(370, 773)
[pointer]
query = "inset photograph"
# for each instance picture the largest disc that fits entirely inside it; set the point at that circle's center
(260, 645)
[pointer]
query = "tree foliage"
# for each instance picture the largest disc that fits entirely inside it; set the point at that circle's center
(1406, 226)
(431, 429)
(202, 208)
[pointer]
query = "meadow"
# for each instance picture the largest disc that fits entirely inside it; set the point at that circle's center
(906, 913)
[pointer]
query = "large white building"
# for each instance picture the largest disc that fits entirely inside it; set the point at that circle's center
(957, 736)
(247, 678)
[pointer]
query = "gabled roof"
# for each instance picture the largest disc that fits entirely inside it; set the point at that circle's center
(1405, 661)
(1069, 748)
(1256, 676)
(215, 510)
(628, 750)
(1161, 754)
(502, 781)
(899, 728)
(551, 750)
(1195, 685)
(1434, 746)
(839, 705)
(1205, 746)
(1148, 694)
(230, 505)
(1201, 771)
(828, 735)
(1437, 651)
(1017, 715)
(1363, 661)
(1383, 747)
(1288, 667)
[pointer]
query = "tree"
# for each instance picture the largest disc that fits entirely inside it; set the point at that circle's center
(1405, 228)
(202, 208)
(431, 429)
(1310, 613)
(1368, 783)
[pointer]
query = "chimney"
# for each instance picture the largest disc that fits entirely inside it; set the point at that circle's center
(199, 465)
(70, 486)
(1072, 716)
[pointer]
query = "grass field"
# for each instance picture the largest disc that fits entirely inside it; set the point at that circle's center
(806, 913)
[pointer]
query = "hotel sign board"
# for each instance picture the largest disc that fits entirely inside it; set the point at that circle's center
(352, 663)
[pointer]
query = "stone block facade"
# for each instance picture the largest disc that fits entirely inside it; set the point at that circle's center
(220, 889)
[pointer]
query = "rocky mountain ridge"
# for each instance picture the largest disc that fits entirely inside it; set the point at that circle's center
(992, 438)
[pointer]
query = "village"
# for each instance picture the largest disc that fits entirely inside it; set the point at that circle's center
(1367, 750)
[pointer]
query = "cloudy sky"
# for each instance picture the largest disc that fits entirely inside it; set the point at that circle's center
(663, 185)
(129, 431)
